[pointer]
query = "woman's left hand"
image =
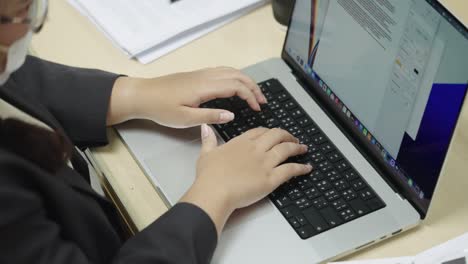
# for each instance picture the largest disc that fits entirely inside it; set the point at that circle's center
(174, 100)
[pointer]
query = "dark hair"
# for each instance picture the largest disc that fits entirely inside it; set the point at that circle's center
(50, 150)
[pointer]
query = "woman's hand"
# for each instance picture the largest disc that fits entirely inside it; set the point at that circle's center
(174, 100)
(242, 171)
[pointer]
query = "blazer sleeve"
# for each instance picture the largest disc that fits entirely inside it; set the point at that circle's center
(78, 98)
(184, 234)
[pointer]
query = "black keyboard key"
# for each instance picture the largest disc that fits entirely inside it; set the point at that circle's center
(317, 157)
(271, 123)
(311, 130)
(350, 175)
(319, 139)
(290, 105)
(252, 121)
(306, 231)
(303, 139)
(290, 211)
(304, 159)
(332, 175)
(274, 105)
(312, 193)
(269, 96)
(323, 185)
(316, 220)
(303, 203)
(287, 122)
(273, 86)
(282, 201)
(264, 115)
(246, 112)
(312, 148)
(240, 105)
(295, 194)
(339, 204)
(347, 214)
(304, 121)
(359, 206)
(304, 183)
(334, 156)
(349, 194)
(341, 185)
(320, 202)
(331, 194)
(366, 194)
(316, 175)
(282, 97)
(301, 219)
(324, 166)
(297, 113)
(331, 217)
(342, 165)
(280, 113)
(375, 203)
(358, 184)
(295, 130)
(326, 148)
(293, 221)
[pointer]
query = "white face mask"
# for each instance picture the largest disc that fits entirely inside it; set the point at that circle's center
(16, 56)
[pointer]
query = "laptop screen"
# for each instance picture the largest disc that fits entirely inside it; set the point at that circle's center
(394, 71)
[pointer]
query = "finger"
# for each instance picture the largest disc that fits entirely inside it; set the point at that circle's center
(251, 84)
(255, 132)
(283, 151)
(229, 88)
(274, 137)
(198, 116)
(209, 141)
(287, 171)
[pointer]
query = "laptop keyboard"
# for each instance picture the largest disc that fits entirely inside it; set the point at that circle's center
(333, 193)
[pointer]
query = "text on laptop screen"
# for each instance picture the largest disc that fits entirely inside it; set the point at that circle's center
(397, 69)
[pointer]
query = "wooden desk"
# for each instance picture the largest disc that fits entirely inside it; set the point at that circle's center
(71, 39)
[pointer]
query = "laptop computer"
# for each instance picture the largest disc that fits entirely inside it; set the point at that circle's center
(375, 88)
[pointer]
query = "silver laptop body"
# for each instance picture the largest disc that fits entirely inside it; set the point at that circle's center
(260, 233)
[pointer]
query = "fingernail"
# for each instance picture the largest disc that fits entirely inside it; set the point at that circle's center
(264, 99)
(226, 117)
(308, 167)
(305, 147)
(204, 130)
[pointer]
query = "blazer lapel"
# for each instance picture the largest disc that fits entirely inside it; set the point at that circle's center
(12, 94)
(79, 184)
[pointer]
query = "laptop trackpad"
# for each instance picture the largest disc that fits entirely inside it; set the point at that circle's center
(174, 171)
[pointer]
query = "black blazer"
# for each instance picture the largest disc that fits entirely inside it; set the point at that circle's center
(52, 219)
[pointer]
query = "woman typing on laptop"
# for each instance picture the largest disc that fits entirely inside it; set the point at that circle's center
(50, 214)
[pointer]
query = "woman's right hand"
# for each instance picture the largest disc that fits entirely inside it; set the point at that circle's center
(242, 171)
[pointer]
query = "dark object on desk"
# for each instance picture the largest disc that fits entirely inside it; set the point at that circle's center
(456, 261)
(282, 10)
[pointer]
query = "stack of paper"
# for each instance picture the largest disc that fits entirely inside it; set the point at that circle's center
(454, 251)
(148, 29)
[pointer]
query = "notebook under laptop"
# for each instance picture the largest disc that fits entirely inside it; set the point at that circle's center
(375, 88)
